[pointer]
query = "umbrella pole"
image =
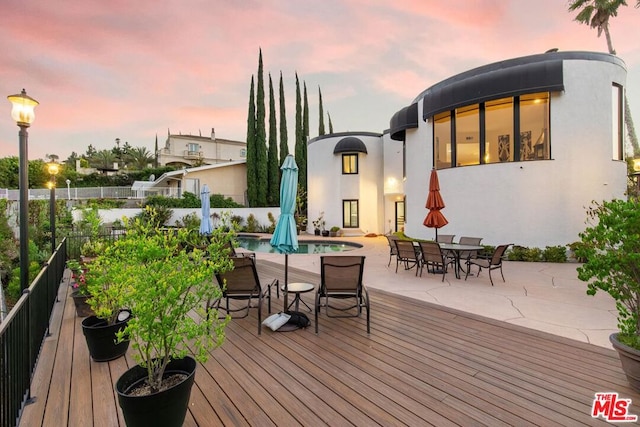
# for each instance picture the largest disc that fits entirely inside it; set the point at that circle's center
(286, 280)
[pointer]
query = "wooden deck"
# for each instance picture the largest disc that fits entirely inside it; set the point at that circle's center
(422, 365)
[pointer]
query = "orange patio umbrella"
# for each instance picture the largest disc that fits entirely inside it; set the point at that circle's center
(434, 218)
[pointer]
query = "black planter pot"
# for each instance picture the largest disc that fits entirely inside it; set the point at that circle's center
(101, 339)
(316, 232)
(166, 408)
(325, 233)
(630, 359)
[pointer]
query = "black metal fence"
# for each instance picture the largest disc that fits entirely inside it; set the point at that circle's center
(77, 238)
(22, 334)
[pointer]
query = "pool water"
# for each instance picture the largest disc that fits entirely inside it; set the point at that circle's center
(305, 247)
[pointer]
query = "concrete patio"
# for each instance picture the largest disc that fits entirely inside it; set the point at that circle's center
(544, 296)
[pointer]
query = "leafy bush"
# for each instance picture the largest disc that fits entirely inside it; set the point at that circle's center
(272, 223)
(611, 246)
(219, 201)
(517, 253)
(253, 226)
(554, 254)
(533, 255)
(159, 218)
(576, 247)
(190, 222)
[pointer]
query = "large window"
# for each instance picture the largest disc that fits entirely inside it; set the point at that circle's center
(468, 135)
(617, 119)
(534, 126)
(500, 130)
(442, 140)
(498, 146)
(350, 164)
(350, 214)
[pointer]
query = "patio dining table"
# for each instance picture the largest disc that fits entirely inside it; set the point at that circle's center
(456, 249)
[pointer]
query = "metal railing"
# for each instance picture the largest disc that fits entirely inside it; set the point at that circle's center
(22, 334)
(84, 193)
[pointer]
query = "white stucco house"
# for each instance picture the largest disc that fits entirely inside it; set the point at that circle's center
(197, 150)
(521, 147)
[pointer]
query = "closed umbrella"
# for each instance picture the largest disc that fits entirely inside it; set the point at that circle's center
(435, 203)
(205, 221)
(285, 236)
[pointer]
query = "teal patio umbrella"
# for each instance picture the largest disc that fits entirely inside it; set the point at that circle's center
(285, 236)
(205, 221)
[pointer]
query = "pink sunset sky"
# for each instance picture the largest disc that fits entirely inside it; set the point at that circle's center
(103, 70)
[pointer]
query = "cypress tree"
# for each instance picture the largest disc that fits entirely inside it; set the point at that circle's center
(252, 188)
(299, 135)
(320, 114)
(273, 185)
(261, 139)
(302, 163)
(284, 140)
(330, 124)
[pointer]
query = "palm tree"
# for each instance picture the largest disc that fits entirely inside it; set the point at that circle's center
(103, 159)
(596, 14)
(139, 158)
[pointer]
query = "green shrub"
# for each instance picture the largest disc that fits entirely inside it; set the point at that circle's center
(272, 223)
(237, 221)
(533, 255)
(517, 253)
(160, 217)
(219, 201)
(253, 226)
(576, 247)
(554, 254)
(190, 222)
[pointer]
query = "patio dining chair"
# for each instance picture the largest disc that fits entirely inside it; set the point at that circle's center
(445, 238)
(465, 256)
(242, 283)
(393, 251)
(492, 263)
(341, 278)
(408, 254)
(433, 258)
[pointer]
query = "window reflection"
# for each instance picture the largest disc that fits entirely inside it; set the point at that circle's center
(442, 140)
(468, 136)
(499, 131)
(496, 121)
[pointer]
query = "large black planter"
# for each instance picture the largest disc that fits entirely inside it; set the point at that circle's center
(101, 339)
(630, 358)
(166, 408)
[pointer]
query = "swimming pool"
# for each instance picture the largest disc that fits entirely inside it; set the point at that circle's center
(257, 244)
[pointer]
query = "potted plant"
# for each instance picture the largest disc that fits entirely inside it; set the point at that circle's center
(333, 232)
(80, 293)
(91, 249)
(168, 285)
(107, 289)
(611, 250)
(318, 224)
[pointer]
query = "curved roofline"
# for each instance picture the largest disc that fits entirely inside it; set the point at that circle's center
(528, 74)
(343, 134)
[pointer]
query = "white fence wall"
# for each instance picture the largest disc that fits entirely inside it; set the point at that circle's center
(110, 215)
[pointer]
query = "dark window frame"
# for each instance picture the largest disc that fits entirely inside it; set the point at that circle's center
(350, 201)
(357, 163)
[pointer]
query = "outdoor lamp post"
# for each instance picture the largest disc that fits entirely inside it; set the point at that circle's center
(53, 168)
(68, 189)
(23, 114)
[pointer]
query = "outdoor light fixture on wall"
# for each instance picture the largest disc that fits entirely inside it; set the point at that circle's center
(23, 114)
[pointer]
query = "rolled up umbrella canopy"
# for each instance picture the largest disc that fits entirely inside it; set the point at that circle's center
(285, 236)
(435, 203)
(205, 222)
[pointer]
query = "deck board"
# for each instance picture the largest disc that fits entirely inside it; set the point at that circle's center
(422, 364)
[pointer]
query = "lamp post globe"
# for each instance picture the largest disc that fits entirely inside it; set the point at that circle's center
(23, 113)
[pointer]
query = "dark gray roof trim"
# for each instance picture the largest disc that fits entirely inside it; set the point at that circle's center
(407, 118)
(350, 144)
(535, 73)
